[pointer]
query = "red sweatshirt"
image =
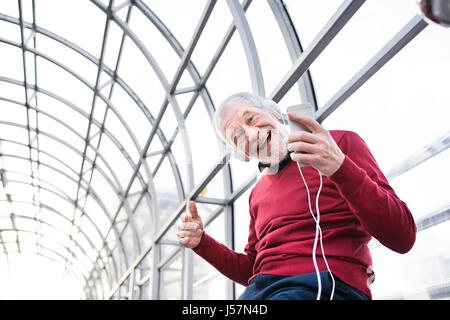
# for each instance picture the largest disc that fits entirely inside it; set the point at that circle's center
(355, 203)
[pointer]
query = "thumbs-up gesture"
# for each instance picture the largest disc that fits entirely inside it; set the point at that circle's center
(190, 228)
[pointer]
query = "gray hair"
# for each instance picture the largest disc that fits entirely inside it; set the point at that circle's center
(248, 98)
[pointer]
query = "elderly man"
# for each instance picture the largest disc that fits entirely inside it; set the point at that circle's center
(356, 203)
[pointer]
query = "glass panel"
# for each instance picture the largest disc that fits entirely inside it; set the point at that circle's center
(115, 160)
(242, 171)
(155, 150)
(29, 240)
(184, 99)
(56, 219)
(9, 236)
(186, 81)
(116, 127)
(208, 283)
(424, 188)
(24, 208)
(232, 70)
(10, 8)
(93, 25)
(118, 257)
(86, 245)
(63, 84)
(61, 112)
(11, 247)
(20, 191)
(13, 133)
(11, 91)
(109, 198)
(45, 158)
(58, 203)
(30, 71)
(132, 115)
(408, 276)
(27, 10)
(168, 198)
(180, 152)
(168, 122)
(65, 154)
(81, 260)
(95, 216)
(27, 224)
(204, 143)
(112, 46)
(213, 34)
(15, 113)
(43, 278)
(5, 221)
(309, 18)
(170, 288)
(14, 149)
(59, 130)
(267, 37)
(371, 27)
(129, 243)
(13, 66)
(144, 221)
(401, 115)
(68, 185)
(66, 56)
(180, 17)
(135, 69)
(169, 241)
(59, 248)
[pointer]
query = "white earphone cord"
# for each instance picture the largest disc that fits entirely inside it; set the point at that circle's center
(318, 231)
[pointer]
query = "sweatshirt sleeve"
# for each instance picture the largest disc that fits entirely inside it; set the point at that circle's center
(236, 266)
(371, 198)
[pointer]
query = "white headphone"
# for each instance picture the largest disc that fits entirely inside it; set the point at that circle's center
(318, 232)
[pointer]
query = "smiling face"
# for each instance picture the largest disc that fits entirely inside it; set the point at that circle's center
(253, 132)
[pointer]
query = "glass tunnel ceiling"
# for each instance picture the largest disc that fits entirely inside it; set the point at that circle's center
(106, 131)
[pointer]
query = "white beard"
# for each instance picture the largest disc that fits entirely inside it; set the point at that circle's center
(278, 150)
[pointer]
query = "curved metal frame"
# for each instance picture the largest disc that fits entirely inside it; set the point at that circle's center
(43, 205)
(63, 259)
(62, 195)
(123, 282)
(107, 102)
(18, 230)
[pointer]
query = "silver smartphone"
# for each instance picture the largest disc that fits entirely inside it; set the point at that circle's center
(305, 110)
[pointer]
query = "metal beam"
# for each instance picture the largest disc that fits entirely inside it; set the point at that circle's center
(437, 216)
(248, 43)
(398, 42)
(93, 193)
(94, 60)
(192, 196)
(168, 87)
(62, 195)
(295, 49)
(320, 42)
(433, 149)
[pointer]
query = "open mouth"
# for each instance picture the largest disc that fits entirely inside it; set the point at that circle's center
(265, 144)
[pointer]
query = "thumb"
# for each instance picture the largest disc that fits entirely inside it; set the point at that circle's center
(193, 210)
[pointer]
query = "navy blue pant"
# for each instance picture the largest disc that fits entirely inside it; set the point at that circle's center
(301, 287)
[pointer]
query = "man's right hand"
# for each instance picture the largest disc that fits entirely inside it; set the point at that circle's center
(190, 228)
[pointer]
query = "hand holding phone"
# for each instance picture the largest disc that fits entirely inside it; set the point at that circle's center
(305, 110)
